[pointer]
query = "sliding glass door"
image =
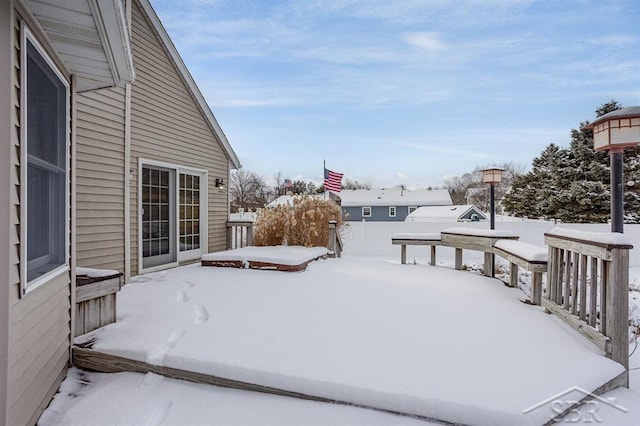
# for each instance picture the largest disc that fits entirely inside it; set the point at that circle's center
(158, 216)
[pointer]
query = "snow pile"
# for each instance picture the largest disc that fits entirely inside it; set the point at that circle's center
(426, 341)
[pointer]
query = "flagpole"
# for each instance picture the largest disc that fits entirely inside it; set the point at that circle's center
(324, 170)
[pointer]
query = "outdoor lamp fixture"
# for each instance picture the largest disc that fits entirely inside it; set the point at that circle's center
(220, 184)
(492, 175)
(614, 132)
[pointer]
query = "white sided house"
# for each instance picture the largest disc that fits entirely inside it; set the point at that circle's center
(459, 213)
(389, 205)
(111, 160)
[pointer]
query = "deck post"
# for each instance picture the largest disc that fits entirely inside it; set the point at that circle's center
(432, 262)
(403, 254)
(458, 261)
(489, 264)
(250, 234)
(617, 302)
(513, 275)
(536, 288)
(331, 246)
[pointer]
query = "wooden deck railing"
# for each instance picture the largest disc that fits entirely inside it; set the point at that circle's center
(335, 240)
(588, 287)
(239, 234)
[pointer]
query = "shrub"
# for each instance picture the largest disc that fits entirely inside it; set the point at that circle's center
(306, 223)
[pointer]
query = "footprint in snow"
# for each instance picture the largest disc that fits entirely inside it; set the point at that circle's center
(190, 283)
(156, 356)
(181, 296)
(174, 337)
(201, 314)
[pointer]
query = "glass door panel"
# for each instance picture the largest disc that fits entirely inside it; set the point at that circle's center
(158, 207)
(189, 212)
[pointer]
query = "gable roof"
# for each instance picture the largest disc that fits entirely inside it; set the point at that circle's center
(394, 197)
(190, 82)
(430, 213)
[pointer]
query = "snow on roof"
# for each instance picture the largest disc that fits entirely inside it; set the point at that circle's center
(395, 197)
(443, 212)
(288, 200)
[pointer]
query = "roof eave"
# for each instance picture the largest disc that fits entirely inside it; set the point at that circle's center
(111, 22)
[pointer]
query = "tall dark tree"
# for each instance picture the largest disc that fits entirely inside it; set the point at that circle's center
(572, 184)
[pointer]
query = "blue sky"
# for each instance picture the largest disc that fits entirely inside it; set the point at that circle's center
(404, 91)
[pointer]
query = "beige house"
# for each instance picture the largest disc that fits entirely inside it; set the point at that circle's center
(111, 159)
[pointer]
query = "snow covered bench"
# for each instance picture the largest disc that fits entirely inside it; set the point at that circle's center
(95, 298)
(404, 240)
(527, 256)
(475, 239)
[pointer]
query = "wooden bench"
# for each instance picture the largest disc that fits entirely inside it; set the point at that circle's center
(527, 256)
(475, 239)
(404, 240)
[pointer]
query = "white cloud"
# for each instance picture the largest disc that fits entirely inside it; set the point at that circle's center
(402, 176)
(425, 40)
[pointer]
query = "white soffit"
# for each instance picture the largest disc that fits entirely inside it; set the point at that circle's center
(92, 38)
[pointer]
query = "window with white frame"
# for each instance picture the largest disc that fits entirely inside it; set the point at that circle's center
(412, 209)
(44, 186)
(392, 211)
(366, 212)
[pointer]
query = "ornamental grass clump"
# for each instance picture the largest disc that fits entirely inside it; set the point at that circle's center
(306, 223)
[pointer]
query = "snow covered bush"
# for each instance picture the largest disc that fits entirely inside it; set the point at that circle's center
(306, 223)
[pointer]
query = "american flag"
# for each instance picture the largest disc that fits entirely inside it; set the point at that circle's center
(332, 180)
(288, 183)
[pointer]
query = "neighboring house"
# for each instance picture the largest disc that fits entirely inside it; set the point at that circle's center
(97, 172)
(389, 205)
(465, 213)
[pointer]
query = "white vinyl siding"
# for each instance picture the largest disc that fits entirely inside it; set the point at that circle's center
(100, 184)
(168, 126)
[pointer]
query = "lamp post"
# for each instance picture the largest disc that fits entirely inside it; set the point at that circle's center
(492, 175)
(614, 132)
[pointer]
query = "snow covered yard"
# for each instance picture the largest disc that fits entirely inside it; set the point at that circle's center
(421, 340)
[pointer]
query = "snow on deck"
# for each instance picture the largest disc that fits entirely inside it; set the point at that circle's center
(427, 341)
(148, 399)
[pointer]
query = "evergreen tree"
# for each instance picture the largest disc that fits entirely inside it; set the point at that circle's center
(573, 184)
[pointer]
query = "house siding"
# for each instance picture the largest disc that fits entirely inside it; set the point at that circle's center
(378, 213)
(7, 231)
(39, 322)
(100, 185)
(168, 126)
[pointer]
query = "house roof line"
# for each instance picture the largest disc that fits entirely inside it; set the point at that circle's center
(191, 84)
